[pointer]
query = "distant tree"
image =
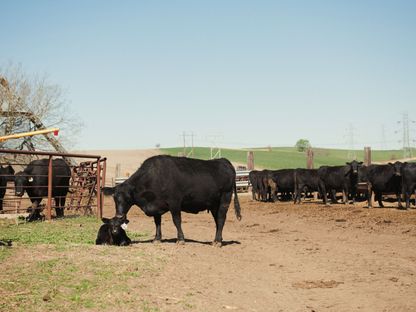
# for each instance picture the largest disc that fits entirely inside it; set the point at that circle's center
(302, 145)
(21, 96)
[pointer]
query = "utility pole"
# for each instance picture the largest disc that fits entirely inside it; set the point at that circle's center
(383, 137)
(350, 135)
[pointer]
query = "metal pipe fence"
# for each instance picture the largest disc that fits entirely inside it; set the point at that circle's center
(84, 186)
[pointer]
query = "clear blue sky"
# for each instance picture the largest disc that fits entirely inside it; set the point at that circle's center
(255, 72)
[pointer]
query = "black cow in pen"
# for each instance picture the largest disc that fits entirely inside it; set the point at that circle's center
(34, 180)
(308, 180)
(6, 174)
(283, 182)
(409, 181)
(382, 179)
(341, 179)
(178, 184)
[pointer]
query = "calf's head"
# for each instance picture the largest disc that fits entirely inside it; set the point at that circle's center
(117, 225)
(21, 182)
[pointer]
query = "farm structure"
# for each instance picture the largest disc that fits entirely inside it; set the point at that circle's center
(85, 179)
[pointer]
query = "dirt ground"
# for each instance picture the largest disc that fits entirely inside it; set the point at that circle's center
(283, 257)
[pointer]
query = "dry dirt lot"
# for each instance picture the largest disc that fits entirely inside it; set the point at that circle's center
(282, 257)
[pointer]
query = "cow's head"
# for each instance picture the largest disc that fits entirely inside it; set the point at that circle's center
(7, 172)
(354, 165)
(116, 224)
(397, 168)
(123, 195)
(21, 181)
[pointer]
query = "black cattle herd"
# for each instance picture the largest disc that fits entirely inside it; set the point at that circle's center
(178, 184)
(353, 180)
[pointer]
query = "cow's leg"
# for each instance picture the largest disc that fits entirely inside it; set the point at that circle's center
(407, 197)
(344, 197)
(369, 195)
(34, 211)
(273, 190)
(399, 199)
(333, 196)
(158, 223)
(58, 208)
(220, 216)
(62, 205)
(177, 220)
(322, 190)
(379, 198)
(296, 196)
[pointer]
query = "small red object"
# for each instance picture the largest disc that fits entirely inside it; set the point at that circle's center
(55, 133)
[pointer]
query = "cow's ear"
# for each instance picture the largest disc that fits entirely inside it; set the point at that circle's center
(348, 163)
(360, 162)
(108, 190)
(105, 220)
(126, 221)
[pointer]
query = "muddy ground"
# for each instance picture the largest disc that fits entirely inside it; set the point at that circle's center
(283, 257)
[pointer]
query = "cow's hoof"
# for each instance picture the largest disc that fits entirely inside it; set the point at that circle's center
(216, 244)
(156, 241)
(180, 242)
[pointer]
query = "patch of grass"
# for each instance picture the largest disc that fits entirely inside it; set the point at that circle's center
(55, 266)
(71, 230)
(40, 278)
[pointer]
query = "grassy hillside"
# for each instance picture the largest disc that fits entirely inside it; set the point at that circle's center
(287, 157)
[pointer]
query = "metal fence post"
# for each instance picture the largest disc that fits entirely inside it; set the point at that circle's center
(98, 184)
(49, 204)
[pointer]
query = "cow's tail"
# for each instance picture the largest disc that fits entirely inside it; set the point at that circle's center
(295, 188)
(236, 204)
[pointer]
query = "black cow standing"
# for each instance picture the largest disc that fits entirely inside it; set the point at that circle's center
(382, 179)
(409, 181)
(6, 174)
(342, 179)
(253, 178)
(284, 182)
(308, 180)
(165, 183)
(34, 180)
(112, 232)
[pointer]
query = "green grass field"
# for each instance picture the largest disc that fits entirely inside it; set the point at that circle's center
(56, 266)
(288, 157)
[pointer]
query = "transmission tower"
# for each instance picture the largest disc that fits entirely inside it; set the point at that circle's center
(407, 150)
(188, 151)
(215, 148)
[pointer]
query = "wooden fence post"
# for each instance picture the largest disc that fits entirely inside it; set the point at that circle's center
(367, 155)
(309, 158)
(250, 160)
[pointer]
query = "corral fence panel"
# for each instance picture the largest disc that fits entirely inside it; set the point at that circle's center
(85, 182)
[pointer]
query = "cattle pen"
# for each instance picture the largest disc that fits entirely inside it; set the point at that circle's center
(87, 175)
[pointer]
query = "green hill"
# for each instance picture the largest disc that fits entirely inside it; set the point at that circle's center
(287, 157)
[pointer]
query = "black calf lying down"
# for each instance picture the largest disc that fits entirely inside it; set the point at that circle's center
(112, 232)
